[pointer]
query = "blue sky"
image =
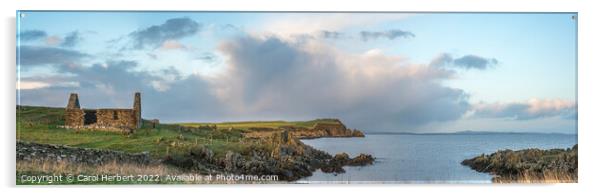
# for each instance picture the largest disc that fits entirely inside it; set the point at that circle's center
(419, 72)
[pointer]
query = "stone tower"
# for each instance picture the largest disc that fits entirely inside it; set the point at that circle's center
(74, 116)
(73, 101)
(137, 110)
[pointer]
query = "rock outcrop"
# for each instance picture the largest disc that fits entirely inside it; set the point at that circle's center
(361, 160)
(287, 157)
(332, 129)
(529, 165)
(326, 129)
(335, 165)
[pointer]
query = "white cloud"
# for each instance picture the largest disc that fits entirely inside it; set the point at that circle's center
(546, 105)
(270, 77)
(527, 110)
(159, 85)
(31, 85)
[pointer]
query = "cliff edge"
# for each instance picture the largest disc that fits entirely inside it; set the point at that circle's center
(321, 128)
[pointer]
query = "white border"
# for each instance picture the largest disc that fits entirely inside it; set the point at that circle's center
(588, 80)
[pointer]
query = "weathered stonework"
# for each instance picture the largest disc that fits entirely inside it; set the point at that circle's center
(116, 117)
(103, 119)
(74, 118)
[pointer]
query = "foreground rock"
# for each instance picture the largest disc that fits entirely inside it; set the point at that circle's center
(530, 165)
(286, 157)
(361, 160)
(335, 165)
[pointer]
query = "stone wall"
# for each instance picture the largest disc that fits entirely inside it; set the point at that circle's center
(137, 110)
(120, 118)
(32, 151)
(74, 117)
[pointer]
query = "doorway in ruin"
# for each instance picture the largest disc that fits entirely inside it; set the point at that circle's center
(89, 117)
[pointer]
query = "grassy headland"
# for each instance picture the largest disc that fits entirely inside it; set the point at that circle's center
(254, 147)
(246, 125)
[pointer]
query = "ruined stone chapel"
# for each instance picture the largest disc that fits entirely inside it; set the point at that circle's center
(110, 119)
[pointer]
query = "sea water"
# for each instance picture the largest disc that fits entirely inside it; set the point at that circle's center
(425, 158)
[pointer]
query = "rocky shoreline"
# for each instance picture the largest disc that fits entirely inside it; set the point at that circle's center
(251, 148)
(290, 160)
(529, 165)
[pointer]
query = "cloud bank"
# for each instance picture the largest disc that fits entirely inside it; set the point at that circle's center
(41, 55)
(266, 78)
(532, 109)
(272, 77)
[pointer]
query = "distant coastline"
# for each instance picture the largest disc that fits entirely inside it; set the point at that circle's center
(460, 133)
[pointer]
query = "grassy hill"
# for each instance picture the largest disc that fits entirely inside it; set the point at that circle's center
(42, 125)
(245, 125)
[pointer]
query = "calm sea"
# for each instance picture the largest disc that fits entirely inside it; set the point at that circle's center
(433, 158)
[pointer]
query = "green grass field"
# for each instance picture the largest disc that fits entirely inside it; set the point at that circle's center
(41, 125)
